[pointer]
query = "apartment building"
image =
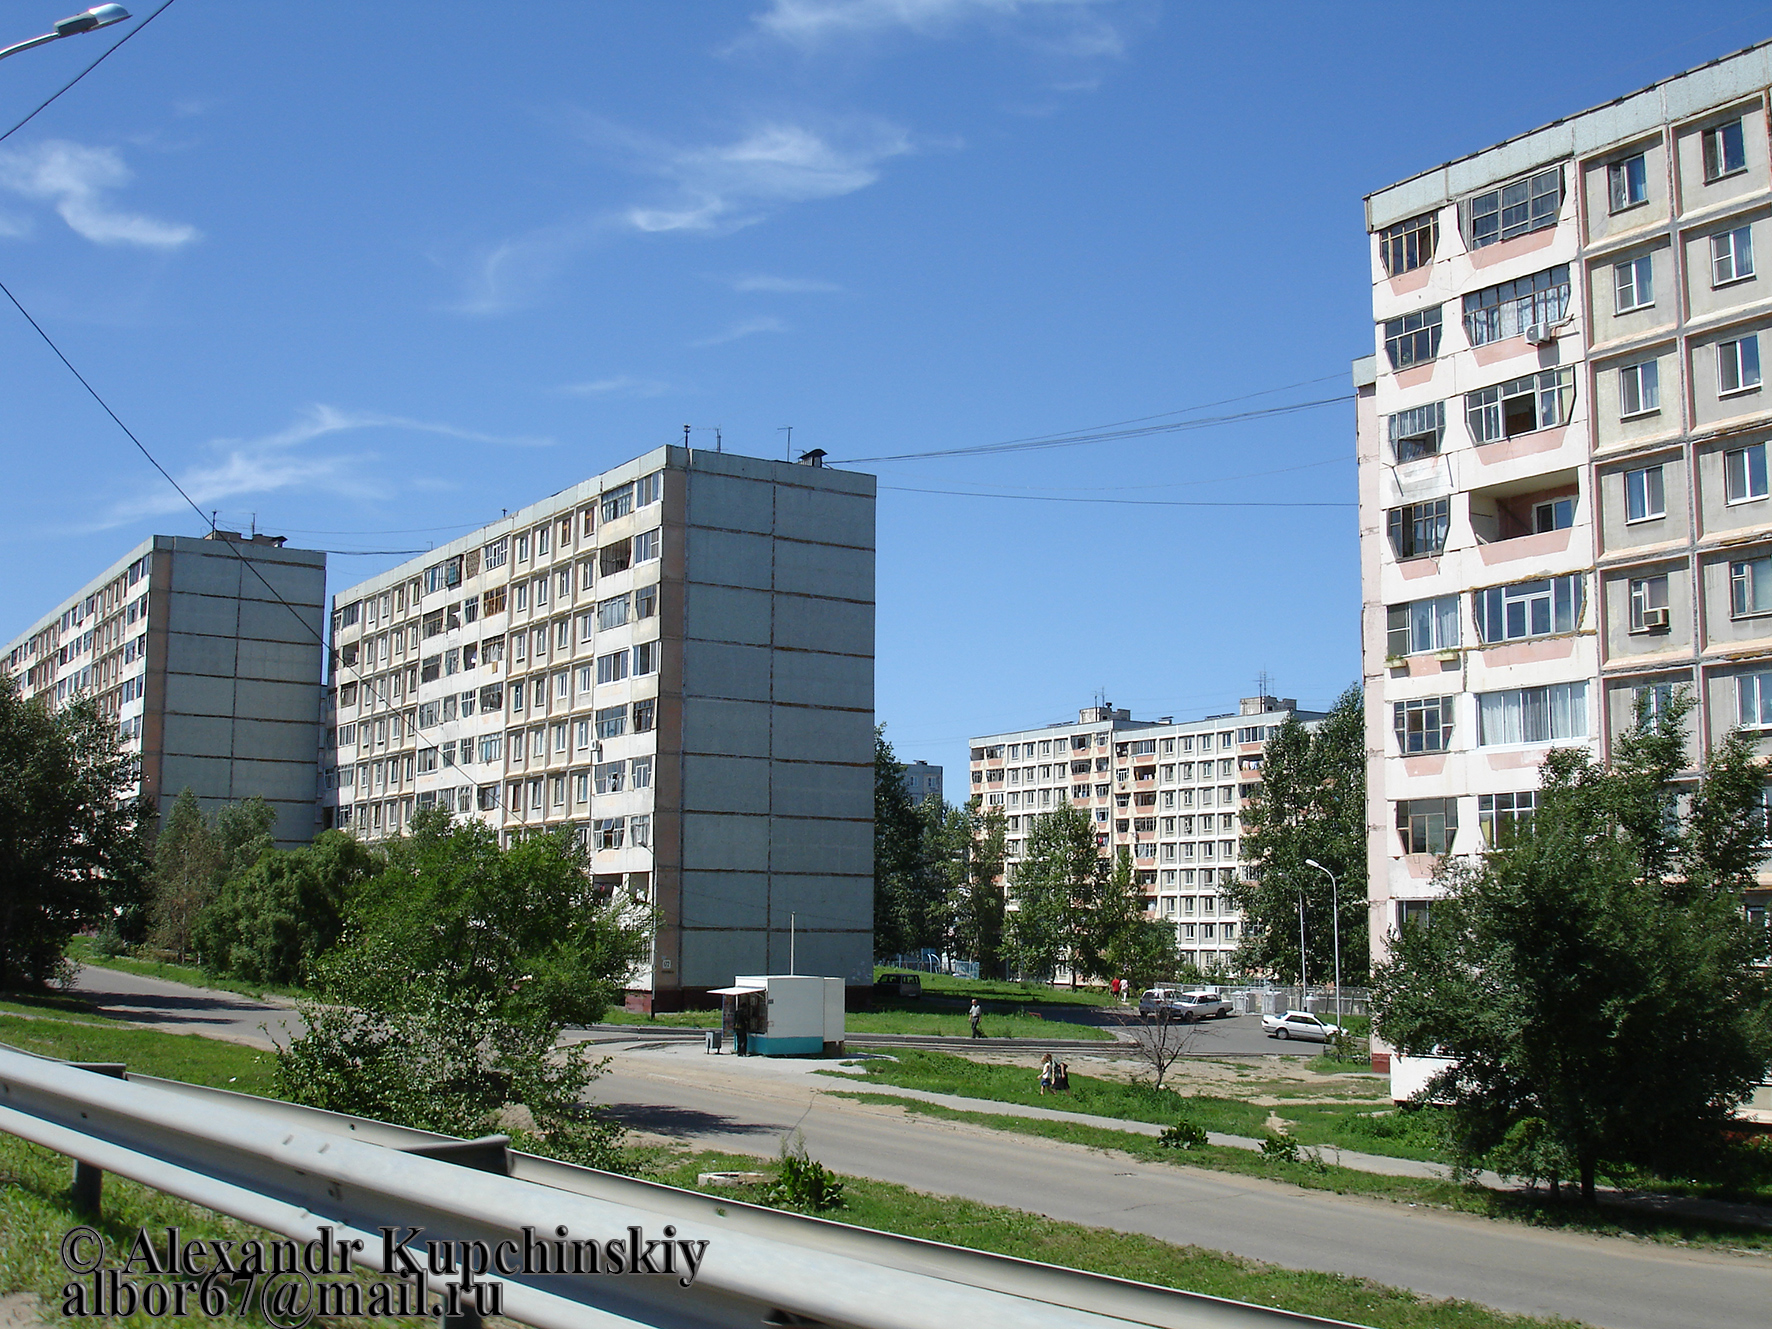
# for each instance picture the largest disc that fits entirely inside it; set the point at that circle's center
(1564, 502)
(207, 655)
(922, 781)
(675, 660)
(1169, 791)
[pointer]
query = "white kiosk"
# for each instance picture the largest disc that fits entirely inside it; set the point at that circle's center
(783, 1015)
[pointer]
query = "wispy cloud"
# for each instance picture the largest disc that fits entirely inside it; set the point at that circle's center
(749, 327)
(286, 462)
(512, 272)
(784, 285)
(77, 180)
(1076, 25)
(620, 385)
(721, 187)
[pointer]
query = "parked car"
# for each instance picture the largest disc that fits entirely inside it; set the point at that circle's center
(1155, 1000)
(1207, 1005)
(898, 985)
(1297, 1024)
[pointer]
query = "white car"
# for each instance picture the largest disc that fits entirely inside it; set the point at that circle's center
(1206, 1006)
(1298, 1024)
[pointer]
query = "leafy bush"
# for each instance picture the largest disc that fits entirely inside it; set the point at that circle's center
(270, 923)
(802, 1183)
(1184, 1134)
(1279, 1147)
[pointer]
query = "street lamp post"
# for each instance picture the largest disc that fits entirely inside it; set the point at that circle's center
(101, 17)
(1335, 913)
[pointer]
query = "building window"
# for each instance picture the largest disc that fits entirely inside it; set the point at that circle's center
(650, 487)
(1417, 432)
(612, 613)
(1418, 530)
(646, 658)
(1738, 365)
(1750, 587)
(1409, 244)
(1413, 339)
(1648, 604)
(612, 721)
(1639, 390)
(1753, 699)
(1644, 496)
(1539, 608)
(1501, 817)
(1423, 625)
(1424, 725)
(1496, 313)
(1731, 256)
(1519, 208)
(1427, 825)
(618, 502)
(1744, 473)
(608, 832)
(610, 777)
(1532, 715)
(1537, 401)
(646, 546)
(1725, 151)
(1628, 182)
(611, 668)
(1633, 284)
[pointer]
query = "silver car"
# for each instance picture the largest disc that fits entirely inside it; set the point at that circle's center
(1298, 1024)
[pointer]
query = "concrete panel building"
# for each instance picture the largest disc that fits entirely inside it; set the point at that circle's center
(1169, 791)
(1562, 446)
(676, 660)
(922, 781)
(207, 654)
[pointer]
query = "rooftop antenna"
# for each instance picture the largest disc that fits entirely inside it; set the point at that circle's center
(1262, 683)
(789, 430)
(255, 526)
(212, 513)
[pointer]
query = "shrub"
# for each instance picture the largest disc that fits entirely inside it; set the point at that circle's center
(1279, 1147)
(802, 1183)
(1184, 1134)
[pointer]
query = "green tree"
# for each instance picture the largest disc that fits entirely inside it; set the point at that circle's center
(462, 964)
(70, 834)
(1059, 884)
(1310, 804)
(270, 923)
(976, 840)
(188, 870)
(1595, 978)
(909, 890)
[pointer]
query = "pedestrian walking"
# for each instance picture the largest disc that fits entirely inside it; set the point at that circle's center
(1061, 1078)
(1046, 1072)
(974, 1015)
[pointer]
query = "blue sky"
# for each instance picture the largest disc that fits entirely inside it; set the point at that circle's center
(374, 274)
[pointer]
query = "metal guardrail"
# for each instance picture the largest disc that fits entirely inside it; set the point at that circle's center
(294, 1170)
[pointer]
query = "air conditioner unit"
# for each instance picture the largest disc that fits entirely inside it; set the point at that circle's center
(1655, 620)
(1540, 334)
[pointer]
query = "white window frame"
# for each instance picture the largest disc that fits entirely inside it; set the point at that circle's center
(1645, 488)
(1633, 284)
(1736, 360)
(1619, 183)
(1750, 580)
(1753, 699)
(1639, 390)
(1647, 593)
(1732, 257)
(1714, 145)
(1742, 475)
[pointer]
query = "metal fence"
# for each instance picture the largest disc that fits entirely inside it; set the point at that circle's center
(1316, 1000)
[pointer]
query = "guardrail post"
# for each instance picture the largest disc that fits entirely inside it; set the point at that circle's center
(87, 1191)
(489, 1153)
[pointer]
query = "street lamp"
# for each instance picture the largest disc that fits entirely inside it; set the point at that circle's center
(1335, 913)
(101, 17)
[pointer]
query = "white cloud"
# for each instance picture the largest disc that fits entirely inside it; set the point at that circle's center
(621, 384)
(286, 462)
(749, 327)
(784, 285)
(721, 187)
(76, 179)
(810, 23)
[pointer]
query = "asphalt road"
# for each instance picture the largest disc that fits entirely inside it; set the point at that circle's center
(748, 1107)
(180, 1008)
(1610, 1282)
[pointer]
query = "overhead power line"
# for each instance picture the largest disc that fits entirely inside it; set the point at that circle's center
(1125, 502)
(106, 55)
(1105, 435)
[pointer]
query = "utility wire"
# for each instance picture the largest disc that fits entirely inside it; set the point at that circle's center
(109, 51)
(1106, 434)
(1125, 502)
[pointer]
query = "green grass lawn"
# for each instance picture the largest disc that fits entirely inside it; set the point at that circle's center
(989, 990)
(188, 1057)
(888, 1208)
(898, 1018)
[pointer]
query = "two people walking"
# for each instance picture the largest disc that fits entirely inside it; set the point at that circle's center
(1054, 1075)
